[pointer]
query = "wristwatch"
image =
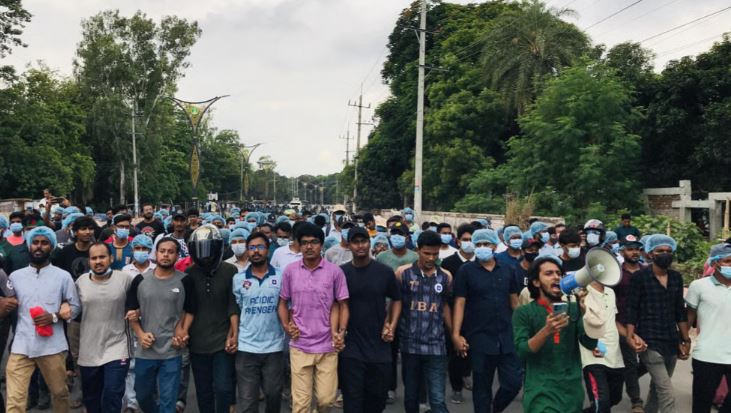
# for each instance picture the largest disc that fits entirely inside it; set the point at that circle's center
(54, 318)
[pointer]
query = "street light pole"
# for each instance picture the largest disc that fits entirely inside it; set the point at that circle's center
(245, 156)
(134, 159)
(418, 161)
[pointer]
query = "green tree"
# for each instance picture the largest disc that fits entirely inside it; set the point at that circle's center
(13, 18)
(526, 45)
(576, 153)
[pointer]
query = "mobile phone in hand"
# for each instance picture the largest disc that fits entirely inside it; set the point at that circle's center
(560, 308)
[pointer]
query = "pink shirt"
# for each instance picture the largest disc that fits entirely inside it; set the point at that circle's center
(311, 295)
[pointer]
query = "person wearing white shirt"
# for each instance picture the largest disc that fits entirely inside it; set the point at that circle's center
(284, 256)
(237, 240)
(445, 233)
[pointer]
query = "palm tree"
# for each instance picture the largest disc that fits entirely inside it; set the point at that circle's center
(527, 44)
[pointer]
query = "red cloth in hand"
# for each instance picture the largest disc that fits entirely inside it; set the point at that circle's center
(43, 331)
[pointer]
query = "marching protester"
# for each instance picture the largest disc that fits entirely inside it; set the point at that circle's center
(237, 241)
(487, 286)
(313, 310)
(365, 362)
(657, 322)
(260, 343)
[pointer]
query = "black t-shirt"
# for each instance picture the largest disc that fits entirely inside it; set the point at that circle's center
(574, 264)
(153, 229)
(70, 259)
(368, 288)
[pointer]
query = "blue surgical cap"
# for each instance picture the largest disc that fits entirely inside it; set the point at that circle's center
(261, 218)
(660, 240)
(609, 237)
(216, 218)
(4, 222)
(485, 235)
(510, 231)
(379, 239)
(89, 211)
(254, 216)
(70, 210)
(538, 227)
(415, 237)
(718, 252)
(158, 215)
(239, 233)
(66, 222)
(142, 240)
(235, 212)
(331, 241)
(281, 218)
(225, 234)
(41, 231)
(643, 241)
(483, 222)
(164, 212)
(552, 257)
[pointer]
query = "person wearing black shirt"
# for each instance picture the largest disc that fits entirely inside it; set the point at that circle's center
(572, 256)
(149, 225)
(459, 367)
(74, 257)
(365, 363)
(657, 322)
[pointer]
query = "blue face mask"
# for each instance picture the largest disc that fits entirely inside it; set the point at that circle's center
(433, 229)
(122, 233)
(726, 272)
(141, 256)
(250, 226)
(409, 217)
(483, 253)
(615, 247)
(16, 227)
(516, 244)
(344, 233)
(545, 237)
(398, 241)
(446, 238)
(468, 247)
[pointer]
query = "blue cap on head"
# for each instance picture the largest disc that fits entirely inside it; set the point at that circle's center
(281, 218)
(330, 241)
(214, 218)
(719, 252)
(41, 231)
(609, 237)
(4, 224)
(239, 233)
(553, 257)
(660, 240)
(66, 222)
(485, 235)
(70, 210)
(252, 216)
(538, 227)
(510, 231)
(142, 240)
(164, 212)
(379, 239)
(415, 237)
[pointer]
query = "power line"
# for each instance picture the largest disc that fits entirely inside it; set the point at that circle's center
(613, 14)
(677, 49)
(638, 17)
(685, 24)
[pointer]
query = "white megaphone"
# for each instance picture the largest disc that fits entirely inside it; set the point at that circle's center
(600, 266)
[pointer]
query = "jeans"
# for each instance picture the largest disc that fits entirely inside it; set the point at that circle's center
(163, 375)
(213, 376)
(103, 386)
(434, 370)
(510, 375)
(364, 385)
(706, 377)
(259, 371)
(184, 377)
(661, 397)
(631, 374)
(603, 386)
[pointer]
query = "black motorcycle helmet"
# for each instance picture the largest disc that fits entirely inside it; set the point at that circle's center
(206, 247)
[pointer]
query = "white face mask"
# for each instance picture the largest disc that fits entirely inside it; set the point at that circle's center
(574, 252)
(238, 249)
(592, 238)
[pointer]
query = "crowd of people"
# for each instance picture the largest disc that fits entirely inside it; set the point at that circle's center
(316, 310)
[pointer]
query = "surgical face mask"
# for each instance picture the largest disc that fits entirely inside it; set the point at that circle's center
(283, 242)
(515, 244)
(592, 238)
(238, 249)
(574, 252)
(468, 247)
(141, 256)
(615, 248)
(231, 227)
(122, 233)
(250, 226)
(409, 217)
(446, 238)
(663, 260)
(483, 253)
(725, 271)
(433, 229)
(344, 234)
(398, 241)
(545, 237)
(16, 227)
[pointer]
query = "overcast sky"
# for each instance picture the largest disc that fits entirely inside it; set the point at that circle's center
(291, 66)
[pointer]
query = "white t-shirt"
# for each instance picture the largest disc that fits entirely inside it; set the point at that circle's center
(449, 251)
(712, 302)
(284, 256)
(234, 261)
(601, 311)
(500, 247)
(134, 271)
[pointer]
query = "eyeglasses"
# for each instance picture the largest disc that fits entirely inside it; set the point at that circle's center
(257, 247)
(313, 242)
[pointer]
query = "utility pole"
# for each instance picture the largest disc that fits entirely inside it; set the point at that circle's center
(418, 161)
(347, 147)
(134, 158)
(360, 107)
